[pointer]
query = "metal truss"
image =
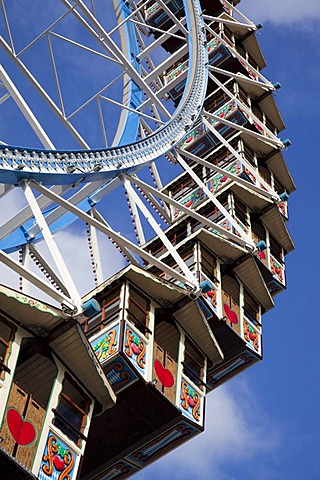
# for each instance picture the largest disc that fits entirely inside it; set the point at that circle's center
(61, 186)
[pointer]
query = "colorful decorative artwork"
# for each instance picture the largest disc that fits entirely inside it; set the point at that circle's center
(119, 375)
(58, 460)
(197, 196)
(283, 209)
(277, 269)
(251, 335)
(224, 111)
(211, 299)
(135, 349)
(106, 344)
(247, 175)
(213, 44)
(190, 401)
(249, 70)
(224, 223)
(176, 72)
(192, 136)
(191, 201)
(162, 444)
(153, 9)
(220, 179)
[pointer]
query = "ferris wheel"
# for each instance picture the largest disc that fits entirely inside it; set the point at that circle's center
(98, 101)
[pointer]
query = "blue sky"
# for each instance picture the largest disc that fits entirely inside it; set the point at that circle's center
(264, 424)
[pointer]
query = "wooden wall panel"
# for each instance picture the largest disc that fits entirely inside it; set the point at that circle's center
(171, 365)
(35, 414)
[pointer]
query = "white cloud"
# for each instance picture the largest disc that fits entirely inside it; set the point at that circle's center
(282, 11)
(73, 245)
(236, 431)
(75, 250)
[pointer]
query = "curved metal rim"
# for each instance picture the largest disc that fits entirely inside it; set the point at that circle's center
(53, 166)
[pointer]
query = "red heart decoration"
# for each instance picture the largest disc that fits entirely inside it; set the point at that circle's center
(22, 431)
(232, 316)
(252, 336)
(135, 349)
(58, 463)
(165, 377)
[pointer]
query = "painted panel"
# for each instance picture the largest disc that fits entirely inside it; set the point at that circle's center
(263, 256)
(176, 72)
(135, 349)
(107, 344)
(231, 312)
(224, 111)
(231, 368)
(192, 136)
(59, 461)
(277, 269)
(252, 336)
(209, 299)
(283, 209)
(251, 72)
(170, 388)
(191, 402)
(119, 374)
(163, 444)
(274, 287)
(119, 471)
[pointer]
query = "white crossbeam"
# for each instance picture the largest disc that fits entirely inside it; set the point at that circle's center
(236, 154)
(136, 218)
(100, 34)
(158, 230)
(243, 78)
(274, 143)
(215, 201)
(36, 85)
(52, 246)
(238, 56)
(250, 26)
(36, 280)
(25, 109)
(243, 107)
(188, 211)
(117, 237)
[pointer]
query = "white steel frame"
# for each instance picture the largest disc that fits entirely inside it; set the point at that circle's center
(172, 128)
